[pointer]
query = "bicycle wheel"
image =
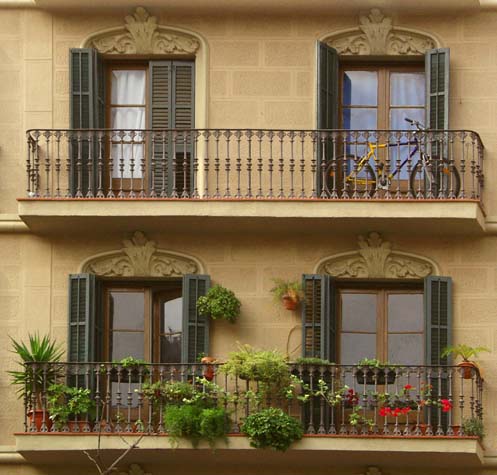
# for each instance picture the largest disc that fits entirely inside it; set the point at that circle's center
(365, 181)
(440, 180)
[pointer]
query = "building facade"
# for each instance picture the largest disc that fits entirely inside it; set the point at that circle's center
(152, 151)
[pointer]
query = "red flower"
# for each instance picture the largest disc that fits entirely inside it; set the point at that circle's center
(385, 411)
(407, 387)
(446, 405)
(405, 410)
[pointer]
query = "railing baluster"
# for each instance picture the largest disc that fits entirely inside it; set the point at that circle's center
(249, 134)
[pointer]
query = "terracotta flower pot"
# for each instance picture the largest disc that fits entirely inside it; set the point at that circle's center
(289, 303)
(37, 416)
(209, 369)
(467, 368)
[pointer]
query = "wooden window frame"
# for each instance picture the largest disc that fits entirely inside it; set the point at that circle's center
(382, 291)
(130, 65)
(384, 71)
(151, 331)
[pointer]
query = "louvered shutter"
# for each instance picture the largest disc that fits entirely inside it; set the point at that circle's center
(171, 107)
(327, 102)
(87, 111)
(437, 65)
(82, 300)
(318, 317)
(438, 332)
(195, 327)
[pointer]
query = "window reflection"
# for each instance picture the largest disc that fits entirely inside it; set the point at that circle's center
(171, 330)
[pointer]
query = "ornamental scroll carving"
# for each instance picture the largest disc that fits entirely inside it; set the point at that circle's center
(376, 35)
(134, 469)
(139, 257)
(142, 35)
(376, 259)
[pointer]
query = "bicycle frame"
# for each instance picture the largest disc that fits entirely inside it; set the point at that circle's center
(378, 165)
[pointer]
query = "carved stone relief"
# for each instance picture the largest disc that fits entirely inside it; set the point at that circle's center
(142, 35)
(376, 35)
(140, 257)
(134, 469)
(375, 259)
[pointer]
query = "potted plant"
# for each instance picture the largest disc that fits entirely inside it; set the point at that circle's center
(373, 371)
(209, 370)
(67, 405)
(131, 368)
(219, 303)
(473, 426)
(466, 353)
(272, 428)
(288, 292)
(33, 379)
(268, 367)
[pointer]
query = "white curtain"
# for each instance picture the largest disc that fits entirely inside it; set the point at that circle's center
(128, 89)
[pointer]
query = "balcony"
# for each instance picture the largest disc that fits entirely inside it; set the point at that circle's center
(328, 177)
(344, 411)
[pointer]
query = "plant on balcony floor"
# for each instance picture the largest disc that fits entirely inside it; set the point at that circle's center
(66, 404)
(33, 378)
(466, 353)
(219, 303)
(288, 292)
(473, 426)
(373, 371)
(272, 428)
(269, 368)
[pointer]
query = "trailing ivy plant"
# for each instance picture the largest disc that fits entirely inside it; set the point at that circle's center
(272, 428)
(219, 303)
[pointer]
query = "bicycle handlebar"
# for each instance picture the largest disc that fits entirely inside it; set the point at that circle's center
(416, 123)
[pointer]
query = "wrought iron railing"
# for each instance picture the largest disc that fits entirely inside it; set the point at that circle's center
(326, 399)
(254, 164)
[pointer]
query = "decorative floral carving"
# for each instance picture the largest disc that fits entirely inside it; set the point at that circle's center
(376, 259)
(134, 469)
(373, 471)
(139, 257)
(142, 35)
(376, 35)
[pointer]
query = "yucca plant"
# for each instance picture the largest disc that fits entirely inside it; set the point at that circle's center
(38, 350)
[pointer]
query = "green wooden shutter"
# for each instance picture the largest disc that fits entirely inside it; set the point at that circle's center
(327, 103)
(82, 300)
(438, 335)
(87, 111)
(319, 321)
(437, 62)
(195, 327)
(438, 318)
(171, 89)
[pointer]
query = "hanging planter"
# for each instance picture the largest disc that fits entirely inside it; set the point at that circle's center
(209, 370)
(290, 293)
(219, 303)
(465, 352)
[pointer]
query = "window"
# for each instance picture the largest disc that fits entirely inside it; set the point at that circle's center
(143, 321)
(383, 322)
(128, 94)
(152, 320)
(402, 322)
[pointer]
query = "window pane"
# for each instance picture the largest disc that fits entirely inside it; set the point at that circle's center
(128, 87)
(406, 349)
(361, 119)
(405, 313)
(360, 88)
(127, 310)
(127, 344)
(128, 118)
(407, 89)
(356, 346)
(172, 326)
(398, 116)
(359, 312)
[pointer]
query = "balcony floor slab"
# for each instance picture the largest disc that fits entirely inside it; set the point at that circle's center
(436, 217)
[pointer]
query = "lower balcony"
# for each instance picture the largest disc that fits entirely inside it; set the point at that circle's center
(424, 178)
(344, 412)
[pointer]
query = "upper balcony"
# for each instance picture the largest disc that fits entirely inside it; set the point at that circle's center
(427, 178)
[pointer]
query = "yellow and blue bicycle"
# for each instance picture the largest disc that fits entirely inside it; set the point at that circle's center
(430, 175)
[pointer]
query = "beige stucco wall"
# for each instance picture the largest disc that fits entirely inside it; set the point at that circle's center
(261, 73)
